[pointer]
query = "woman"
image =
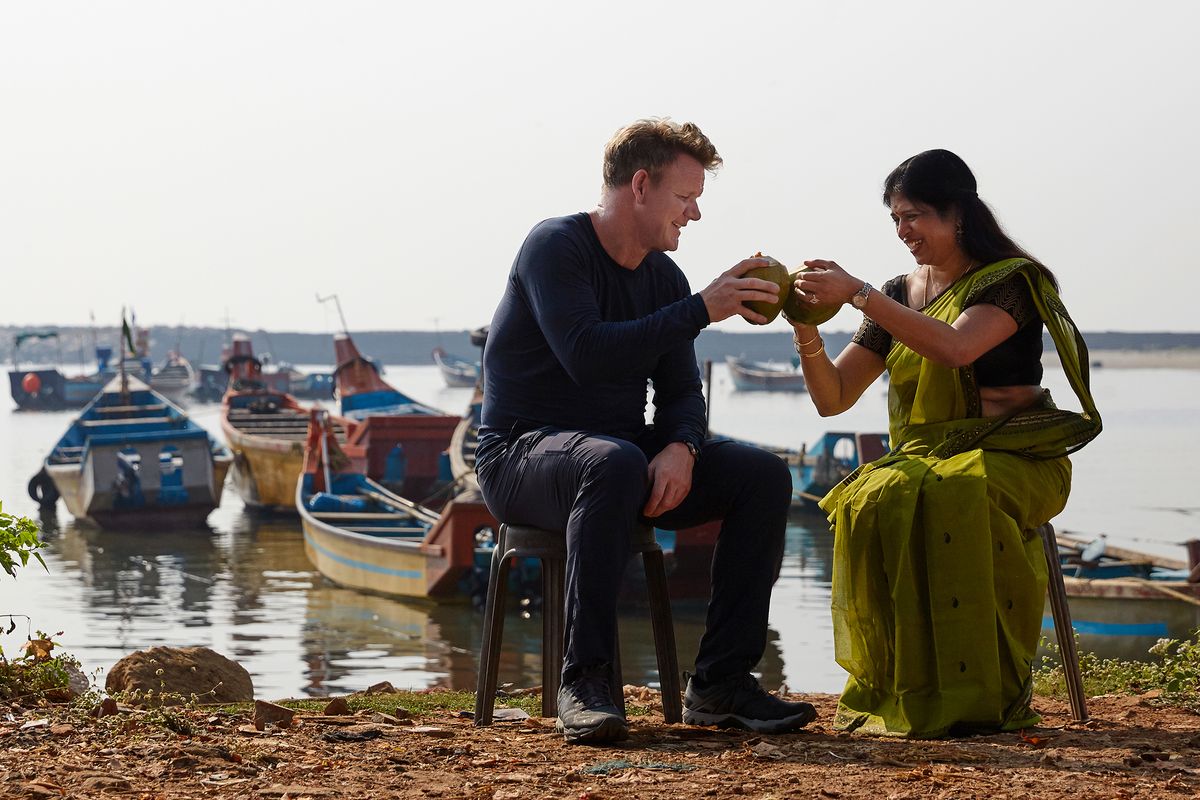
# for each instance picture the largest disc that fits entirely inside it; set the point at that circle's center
(939, 577)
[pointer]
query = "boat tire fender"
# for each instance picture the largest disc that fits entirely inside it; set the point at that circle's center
(42, 489)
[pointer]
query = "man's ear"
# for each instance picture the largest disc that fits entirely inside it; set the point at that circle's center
(640, 183)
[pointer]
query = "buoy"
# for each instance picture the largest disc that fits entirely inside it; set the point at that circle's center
(31, 383)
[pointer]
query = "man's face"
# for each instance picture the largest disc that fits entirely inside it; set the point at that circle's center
(666, 205)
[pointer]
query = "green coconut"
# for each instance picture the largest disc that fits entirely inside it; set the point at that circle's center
(776, 273)
(796, 308)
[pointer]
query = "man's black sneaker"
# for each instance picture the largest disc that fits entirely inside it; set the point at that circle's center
(586, 713)
(741, 703)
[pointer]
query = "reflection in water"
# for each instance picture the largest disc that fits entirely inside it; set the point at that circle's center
(245, 588)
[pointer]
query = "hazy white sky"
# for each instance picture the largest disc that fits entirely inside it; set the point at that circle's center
(194, 160)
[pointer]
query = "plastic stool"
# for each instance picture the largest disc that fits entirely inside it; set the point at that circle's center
(550, 547)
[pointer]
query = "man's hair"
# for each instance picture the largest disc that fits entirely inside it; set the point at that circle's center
(652, 145)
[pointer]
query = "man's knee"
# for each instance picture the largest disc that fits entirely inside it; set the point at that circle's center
(617, 465)
(764, 474)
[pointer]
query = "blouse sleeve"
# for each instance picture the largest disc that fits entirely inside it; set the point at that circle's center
(1012, 296)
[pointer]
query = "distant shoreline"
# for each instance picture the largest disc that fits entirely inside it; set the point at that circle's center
(1176, 358)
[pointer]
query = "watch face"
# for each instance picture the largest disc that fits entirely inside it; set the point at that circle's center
(859, 298)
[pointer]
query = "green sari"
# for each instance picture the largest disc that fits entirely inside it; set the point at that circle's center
(939, 577)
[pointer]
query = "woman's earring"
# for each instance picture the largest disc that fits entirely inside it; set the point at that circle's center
(958, 232)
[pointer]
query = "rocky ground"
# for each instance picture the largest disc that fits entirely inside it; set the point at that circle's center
(1131, 748)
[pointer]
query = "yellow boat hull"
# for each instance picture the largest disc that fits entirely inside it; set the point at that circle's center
(264, 471)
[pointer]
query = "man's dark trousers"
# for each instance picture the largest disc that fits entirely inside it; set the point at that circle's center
(594, 487)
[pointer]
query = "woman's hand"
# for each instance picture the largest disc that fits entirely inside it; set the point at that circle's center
(827, 282)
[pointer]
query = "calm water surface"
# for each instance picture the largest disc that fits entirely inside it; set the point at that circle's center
(244, 587)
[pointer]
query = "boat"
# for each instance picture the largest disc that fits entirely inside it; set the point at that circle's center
(815, 470)
(266, 430)
(50, 388)
(174, 378)
(212, 381)
(404, 441)
(456, 371)
(134, 459)
(764, 376)
(361, 535)
(1122, 600)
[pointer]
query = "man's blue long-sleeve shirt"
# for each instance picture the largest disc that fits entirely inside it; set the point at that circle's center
(577, 336)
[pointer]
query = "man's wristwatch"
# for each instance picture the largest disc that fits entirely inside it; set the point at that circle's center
(693, 449)
(859, 298)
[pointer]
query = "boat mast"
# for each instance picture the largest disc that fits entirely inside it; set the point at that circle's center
(337, 303)
(126, 338)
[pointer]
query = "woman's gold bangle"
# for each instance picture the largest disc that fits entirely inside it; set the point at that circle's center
(800, 344)
(820, 350)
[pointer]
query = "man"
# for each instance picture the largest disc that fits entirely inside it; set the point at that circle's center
(594, 309)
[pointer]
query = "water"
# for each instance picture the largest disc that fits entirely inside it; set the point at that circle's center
(244, 587)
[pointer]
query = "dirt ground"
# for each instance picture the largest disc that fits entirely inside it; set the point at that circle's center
(1131, 748)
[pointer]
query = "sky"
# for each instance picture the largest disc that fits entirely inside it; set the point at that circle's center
(224, 163)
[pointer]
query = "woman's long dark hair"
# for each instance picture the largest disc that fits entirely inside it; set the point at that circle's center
(943, 181)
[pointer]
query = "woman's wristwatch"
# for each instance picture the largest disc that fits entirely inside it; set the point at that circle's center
(859, 298)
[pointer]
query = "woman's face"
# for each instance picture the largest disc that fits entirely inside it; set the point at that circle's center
(932, 239)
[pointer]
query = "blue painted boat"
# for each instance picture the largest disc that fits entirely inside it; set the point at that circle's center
(50, 389)
(816, 469)
(1123, 601)
(134, 459)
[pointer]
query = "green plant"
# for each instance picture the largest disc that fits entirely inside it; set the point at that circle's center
(18, 541)
(1174, 671)
(38, 674)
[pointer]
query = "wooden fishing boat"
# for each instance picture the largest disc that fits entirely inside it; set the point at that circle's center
(764, 376)
(132, 458)
(362, 536)
(174, 378)
(1123, 601)
(266, 430)
(50, 388)
(456, 372)
(404, 441)
(815, 470)
(212, 380)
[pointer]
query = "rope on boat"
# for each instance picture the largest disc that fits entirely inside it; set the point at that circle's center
(388, 498)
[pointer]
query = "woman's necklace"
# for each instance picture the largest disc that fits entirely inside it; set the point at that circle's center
(966, 267)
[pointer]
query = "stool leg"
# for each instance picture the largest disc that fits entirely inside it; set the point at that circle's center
(617, 684)
(493, 633)
(664, 634)
(1063, 628)
(553, 628)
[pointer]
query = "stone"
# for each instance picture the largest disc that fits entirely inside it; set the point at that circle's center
(337, 707)
(182, 671)
(271, 714)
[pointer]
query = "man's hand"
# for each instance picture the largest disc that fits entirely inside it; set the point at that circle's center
(725, 296)
(670, 479)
